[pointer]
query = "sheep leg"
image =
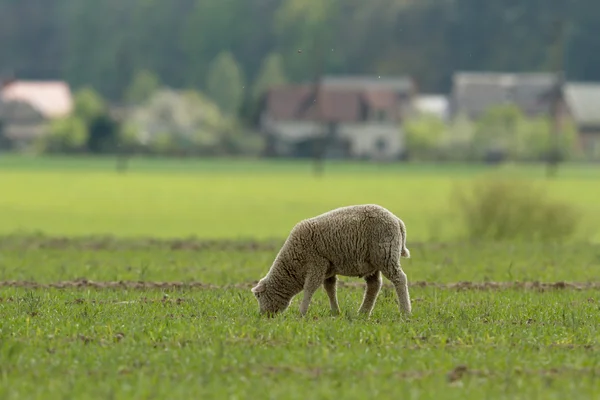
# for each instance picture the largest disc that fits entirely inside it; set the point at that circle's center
(330, 287)
(374, 283)
(397, 276)
(314, 279)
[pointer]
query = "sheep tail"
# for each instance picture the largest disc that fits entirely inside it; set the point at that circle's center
(404, 252)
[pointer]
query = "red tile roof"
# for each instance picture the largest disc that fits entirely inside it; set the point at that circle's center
(297, 102)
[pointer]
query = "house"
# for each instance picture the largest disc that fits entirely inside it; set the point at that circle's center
(360, 117)
(583, 104)
(27, 106)
(474, 92)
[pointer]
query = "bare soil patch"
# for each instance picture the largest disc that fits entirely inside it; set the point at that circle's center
(109, 242)
(91, 243)
(464, 285)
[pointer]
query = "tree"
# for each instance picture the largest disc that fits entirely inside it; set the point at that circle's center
(507, 129)
(177, 39)
(5, 142)
(424, 135)
(535, 136)
(458, 143)
(67, 135)
(307, 25)
(181, 121)
(102, 129)
(88, 104)
(496, 130)
(144, 84)
(271, 73)
(225, 83)
(90, 127)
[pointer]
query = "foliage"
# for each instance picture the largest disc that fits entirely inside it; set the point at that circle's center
(66, 135)
(90, 127)
(143, 86)
(505, 128)
(127, 139)
(185, 122)
(310, 26)
(178, 39)
(225, 83)
(424, 135)
(458, 144)
(89, 105)
(497, 129)
(272, 73)
(5, 142)
(513, 210)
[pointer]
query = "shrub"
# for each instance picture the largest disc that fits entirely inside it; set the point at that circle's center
(423, 136)
(503, 209)
(67, 135)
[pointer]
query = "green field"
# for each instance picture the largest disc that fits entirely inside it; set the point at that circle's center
(137, 286)
(245, 199)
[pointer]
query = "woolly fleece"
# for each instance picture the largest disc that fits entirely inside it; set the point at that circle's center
(364, 241)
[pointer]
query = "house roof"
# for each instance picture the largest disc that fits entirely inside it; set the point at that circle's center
(474, 92)
(369, 82)
(51, 98)
(583, 100)
(296, 102)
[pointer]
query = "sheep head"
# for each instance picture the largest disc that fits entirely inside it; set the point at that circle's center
(268, 302)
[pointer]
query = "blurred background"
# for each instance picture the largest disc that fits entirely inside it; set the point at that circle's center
(371, 82)
(461, 80)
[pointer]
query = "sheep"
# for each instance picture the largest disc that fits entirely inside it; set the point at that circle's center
(364, 241)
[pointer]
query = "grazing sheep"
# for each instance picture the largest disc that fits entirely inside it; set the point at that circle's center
(363, 241)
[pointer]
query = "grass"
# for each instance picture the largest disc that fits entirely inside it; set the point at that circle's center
(243, 199)
(210, 342)
(107, 338)
(212, 345)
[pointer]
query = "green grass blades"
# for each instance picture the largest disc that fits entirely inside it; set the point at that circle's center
(137, 285)
(107, 337)
(47, 260)
(212, 344)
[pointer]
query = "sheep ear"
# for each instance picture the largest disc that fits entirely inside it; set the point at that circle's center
(259, 288)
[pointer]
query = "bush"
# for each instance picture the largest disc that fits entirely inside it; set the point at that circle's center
(502, 209)
(423, 136)
(67, 135)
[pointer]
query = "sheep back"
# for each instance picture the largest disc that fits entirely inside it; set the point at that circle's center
(349, 235)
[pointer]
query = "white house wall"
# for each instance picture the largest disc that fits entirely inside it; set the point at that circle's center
(363, 138)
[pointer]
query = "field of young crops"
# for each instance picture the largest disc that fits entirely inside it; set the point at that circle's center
(137, 285)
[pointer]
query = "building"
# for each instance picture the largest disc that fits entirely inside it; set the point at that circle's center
(360, 117)
(474, 92)
(582, 101)
(27, 106)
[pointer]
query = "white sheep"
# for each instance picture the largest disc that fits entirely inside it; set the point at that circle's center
(358, 241)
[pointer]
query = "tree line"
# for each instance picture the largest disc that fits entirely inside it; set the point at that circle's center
(187, 43)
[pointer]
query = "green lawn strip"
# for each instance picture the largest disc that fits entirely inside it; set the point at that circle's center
(212, 342)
